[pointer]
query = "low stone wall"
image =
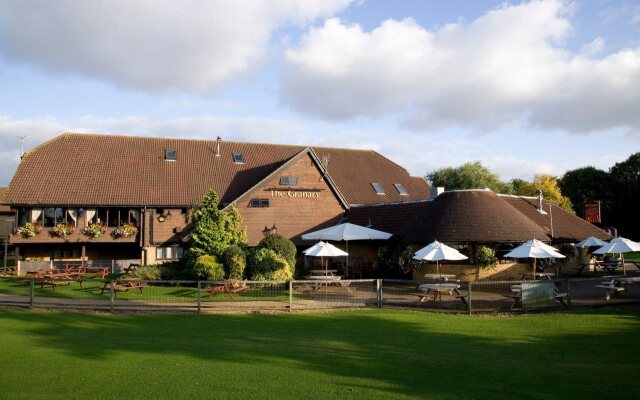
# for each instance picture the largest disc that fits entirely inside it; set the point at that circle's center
(501, 272)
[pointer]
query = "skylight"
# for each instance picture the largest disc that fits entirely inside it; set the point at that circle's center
(378, 188)
(170, 155)
(401, 189)
(238, 158)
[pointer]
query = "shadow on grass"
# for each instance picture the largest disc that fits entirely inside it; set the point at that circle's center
(576, 355)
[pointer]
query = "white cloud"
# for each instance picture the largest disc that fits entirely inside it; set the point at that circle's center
(506, 68)
(153, 45)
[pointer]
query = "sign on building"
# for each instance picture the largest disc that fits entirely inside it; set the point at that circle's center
(592, 211)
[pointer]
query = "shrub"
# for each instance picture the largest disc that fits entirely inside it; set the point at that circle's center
(208, 268)
(485, 257)
(176, 270)
(282, 247)
(235, 261)
(147, 272)
(267, 265)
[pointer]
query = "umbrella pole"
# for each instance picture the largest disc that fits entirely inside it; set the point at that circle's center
(438, 269)
(346, 268)
(534, 269)
(624, 270)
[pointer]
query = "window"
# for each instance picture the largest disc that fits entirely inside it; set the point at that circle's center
(288, 180)
(53, 216)
(169, 253)
(170, 155)
(378, 188)
(73, 252)
(238, 158)
(401, 189)
(259, 203)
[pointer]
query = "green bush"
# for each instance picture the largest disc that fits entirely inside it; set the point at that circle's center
(147, 272)
(208, 268)
(235, 261)
(485, 257)
(265, 264)
(282, 247)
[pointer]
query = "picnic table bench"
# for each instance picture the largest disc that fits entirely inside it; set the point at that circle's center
(617, 285)
(122, 286)
(230, 287)
(437, 290)
(55, 279)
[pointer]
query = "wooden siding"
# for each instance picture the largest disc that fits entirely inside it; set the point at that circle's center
(292, 214)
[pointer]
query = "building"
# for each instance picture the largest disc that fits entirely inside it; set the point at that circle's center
(151, 182)
(7, 220)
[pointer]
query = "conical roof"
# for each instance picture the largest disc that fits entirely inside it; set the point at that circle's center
(476, 216)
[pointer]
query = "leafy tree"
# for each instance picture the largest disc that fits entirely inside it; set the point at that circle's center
(472, 175)
(235, 261)
(586, 184)
(625, 185)
(208, 267)
(214, 230)
(548, 185)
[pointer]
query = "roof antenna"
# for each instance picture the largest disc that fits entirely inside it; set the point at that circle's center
(218, 140)
(22, 138)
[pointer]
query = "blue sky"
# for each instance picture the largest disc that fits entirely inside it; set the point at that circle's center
(523, 87)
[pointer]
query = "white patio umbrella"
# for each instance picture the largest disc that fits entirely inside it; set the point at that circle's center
(591, 241)
(619, 245)
(346, 232)
(437, 251)
(322, 249)
(534, 249)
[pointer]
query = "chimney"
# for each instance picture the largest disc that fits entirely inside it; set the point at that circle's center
(539, 201)
(218, 140)
(435, 192)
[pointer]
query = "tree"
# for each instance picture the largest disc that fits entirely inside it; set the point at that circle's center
(471, 175)
(625, 189)
(548, 185)
(586, 184)
(214, 230)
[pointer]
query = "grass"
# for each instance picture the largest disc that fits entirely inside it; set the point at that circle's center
(380, 354)
(91, 290)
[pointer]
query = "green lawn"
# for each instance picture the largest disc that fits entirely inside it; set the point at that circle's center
(367, 354)
(91, 289)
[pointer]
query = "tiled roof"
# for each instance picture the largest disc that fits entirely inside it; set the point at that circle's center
(386, 217)
(88, 169)
(566, 226)
(471, 216)
(3, 208)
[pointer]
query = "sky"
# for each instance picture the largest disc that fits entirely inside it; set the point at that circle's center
(524, 87)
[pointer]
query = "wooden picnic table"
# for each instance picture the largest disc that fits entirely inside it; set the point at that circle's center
(541, 275)
(617, 284)
(230, 287)
(122, 285)
(438, 289)
(516, 296)
(439, 277)
(323, 272)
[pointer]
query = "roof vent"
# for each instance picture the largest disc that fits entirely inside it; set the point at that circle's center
(218, 140)
(540, 210)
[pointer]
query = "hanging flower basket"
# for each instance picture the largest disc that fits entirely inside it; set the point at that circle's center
(125, 231)
(62, 230)
(29, 230)
(95, 230)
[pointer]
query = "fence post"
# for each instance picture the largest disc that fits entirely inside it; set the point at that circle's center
(32, 291)
(290, 296)
(469, 297)
(567, 283)
(199, 296)
(379, 292)
(111, 295)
